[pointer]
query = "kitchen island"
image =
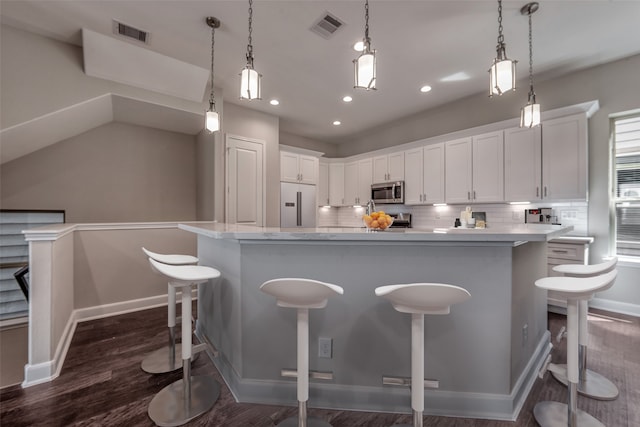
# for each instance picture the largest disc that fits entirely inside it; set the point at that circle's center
(485, 353)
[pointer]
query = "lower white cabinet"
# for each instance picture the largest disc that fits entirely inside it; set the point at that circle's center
(566, 250)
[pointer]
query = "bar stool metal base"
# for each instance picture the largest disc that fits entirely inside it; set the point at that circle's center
(157, 362)
(594, 385)
(555, 414)
(168, 409)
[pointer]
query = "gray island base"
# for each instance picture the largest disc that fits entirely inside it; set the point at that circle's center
(485, 353)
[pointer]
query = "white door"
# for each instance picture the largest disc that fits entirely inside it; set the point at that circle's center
(336, 184)
(365, 176)
(351, 183)
(413, 176)
(396, 167)
(245, 181)
(323, 184)
(380, 169)
(289, 168)
(308, 169)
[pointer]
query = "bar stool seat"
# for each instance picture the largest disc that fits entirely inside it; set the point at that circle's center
(552, 414)
(191, 396)
(164, 359)
(301, 294)
(590, 384)
(419, 299)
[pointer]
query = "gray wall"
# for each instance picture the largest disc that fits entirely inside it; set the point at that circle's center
(114, 173)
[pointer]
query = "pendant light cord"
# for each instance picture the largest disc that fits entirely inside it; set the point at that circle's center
(212, 101)
(531, 92)
(250, 45)
(367, 40)
(500, 36)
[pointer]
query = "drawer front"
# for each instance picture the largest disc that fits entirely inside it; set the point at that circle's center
(566, 251)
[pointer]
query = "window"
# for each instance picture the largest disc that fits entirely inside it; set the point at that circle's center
(627, 185)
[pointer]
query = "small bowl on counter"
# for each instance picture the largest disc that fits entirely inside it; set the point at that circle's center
(377, 221)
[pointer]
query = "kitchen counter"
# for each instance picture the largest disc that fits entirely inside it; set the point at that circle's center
(485, 353)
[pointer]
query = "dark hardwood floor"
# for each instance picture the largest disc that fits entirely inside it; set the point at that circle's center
(101, 383)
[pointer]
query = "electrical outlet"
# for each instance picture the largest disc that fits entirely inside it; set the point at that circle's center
(325, 347)
(525, 334)
(569, 214)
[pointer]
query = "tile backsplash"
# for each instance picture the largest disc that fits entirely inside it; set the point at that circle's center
(570, 213)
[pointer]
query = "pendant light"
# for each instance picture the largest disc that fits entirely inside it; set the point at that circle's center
(212, 118)
(365, 64)
(250, 85)
(530, 114)
(502, 74)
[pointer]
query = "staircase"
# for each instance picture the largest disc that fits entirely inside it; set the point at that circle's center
(14, 254)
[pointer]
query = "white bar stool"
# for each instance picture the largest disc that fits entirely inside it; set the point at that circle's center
(301, 294)
(191, 396)
(419, 299)
(590, 383)
(552, 414)
(164, 360)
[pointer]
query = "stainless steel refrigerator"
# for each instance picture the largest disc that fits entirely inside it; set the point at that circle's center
(297, 205)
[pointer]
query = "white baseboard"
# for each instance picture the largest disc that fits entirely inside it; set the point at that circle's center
(50, 370)
(615, 306)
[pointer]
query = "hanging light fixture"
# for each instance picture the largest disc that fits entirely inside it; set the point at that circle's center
(365, 64)
(502, 74)
(530, 114)
(212, 118)
(250, 86)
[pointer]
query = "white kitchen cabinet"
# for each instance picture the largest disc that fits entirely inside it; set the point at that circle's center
(474, 169)
(336, 184)
(488, 168)
(357, 182)
(323, 184)
(522, 164)
(298, 168)
(564, 158)
(458, 170)
(388, 167)
(566, 250)
(424, 175)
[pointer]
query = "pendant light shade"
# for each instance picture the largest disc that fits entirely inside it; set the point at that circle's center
(250, 84)
(250, 79)
(502, 74)
(212, 118)
(365, 64)
(530, 114)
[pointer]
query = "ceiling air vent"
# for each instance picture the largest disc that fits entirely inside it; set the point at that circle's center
(327, 25)
(130, 32)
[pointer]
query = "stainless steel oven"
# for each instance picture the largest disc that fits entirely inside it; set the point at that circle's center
(388, 192)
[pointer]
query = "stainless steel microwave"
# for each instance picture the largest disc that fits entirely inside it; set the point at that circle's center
(388, 192)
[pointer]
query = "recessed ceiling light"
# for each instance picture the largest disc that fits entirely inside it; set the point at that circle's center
(347, 99)
(274, 102)
(337, 123)
(425, 88)
(359, 46)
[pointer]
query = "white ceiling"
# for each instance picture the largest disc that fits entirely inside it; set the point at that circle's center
(418, 42)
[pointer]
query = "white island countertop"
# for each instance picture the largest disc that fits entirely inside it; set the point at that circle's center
(505, 233)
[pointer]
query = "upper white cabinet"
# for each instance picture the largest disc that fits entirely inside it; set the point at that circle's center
(323, 184)
(424, 175)
(388, 167)
(336, 184)
(357, 182)
(488, 167)
(298, 168)
(474, 169)
(522, 164)
(564, 158)
(458, 172)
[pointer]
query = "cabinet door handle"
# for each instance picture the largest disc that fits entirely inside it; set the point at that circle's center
(424, 197)
(474, 194)
(421, 197)
(537, 191)
(559, 251)
(545, 191)
(468, 195)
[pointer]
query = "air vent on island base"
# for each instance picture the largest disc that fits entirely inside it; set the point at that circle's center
(327, 25)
